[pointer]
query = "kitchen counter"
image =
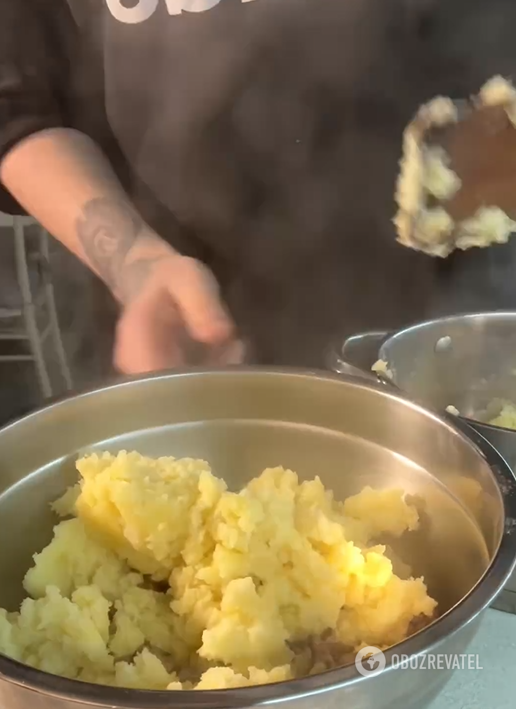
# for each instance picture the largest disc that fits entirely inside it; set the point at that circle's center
(495, 684)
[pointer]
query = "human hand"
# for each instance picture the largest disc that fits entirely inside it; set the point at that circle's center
(172, 315)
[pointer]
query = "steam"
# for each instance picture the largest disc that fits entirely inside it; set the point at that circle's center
(272, 131)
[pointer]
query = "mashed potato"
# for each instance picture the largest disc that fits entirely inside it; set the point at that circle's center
(165, 579)
(506, 418)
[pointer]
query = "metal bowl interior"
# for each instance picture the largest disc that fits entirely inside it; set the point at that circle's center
(350, 433)
(466, 361)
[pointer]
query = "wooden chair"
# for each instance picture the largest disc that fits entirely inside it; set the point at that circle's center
(35, 320)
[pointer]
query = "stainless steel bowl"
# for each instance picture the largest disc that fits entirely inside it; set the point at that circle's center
(465, 361)
(349, 432)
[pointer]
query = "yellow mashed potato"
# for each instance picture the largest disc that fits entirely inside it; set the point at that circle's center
(164, 579)
(506, 418)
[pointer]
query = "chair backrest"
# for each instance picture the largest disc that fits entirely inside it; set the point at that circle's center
(8, 220)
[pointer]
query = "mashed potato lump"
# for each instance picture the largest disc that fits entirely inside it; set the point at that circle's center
(159, 577)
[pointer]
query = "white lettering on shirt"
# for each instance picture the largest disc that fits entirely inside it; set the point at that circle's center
(146, 8)
(132, 15)
(176, 7)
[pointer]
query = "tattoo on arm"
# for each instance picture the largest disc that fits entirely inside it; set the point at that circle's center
(107, 230)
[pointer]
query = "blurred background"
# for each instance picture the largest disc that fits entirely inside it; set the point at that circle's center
(26, 379)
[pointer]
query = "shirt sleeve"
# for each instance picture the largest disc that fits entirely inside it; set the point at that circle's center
(33, 73)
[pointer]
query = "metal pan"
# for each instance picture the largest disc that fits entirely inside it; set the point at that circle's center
(349, 432)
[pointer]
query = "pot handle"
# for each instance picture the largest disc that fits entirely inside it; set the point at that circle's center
(357, 354)
(338, 362)
(363, 348)
(340, 366)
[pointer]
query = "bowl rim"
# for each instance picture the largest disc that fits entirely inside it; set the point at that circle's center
(466, 610)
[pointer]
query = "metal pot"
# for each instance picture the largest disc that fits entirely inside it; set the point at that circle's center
(465, 361)
(350, 432)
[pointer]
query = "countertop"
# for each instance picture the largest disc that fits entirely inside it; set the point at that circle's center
(495, 684)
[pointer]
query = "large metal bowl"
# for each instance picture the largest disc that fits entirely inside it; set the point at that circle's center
(349, 432)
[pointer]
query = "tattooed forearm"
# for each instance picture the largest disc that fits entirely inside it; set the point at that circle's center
(120, 246)
(107, 230)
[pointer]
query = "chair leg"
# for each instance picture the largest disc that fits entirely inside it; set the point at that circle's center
(55, 330)
(29, 310)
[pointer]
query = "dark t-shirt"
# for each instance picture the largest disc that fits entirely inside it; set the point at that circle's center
(263, 136)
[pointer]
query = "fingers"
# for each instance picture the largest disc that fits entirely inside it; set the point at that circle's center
(152, 335)
(230, 353)
(178, 320)
(197, 295)
(149, 336)
(235, 353)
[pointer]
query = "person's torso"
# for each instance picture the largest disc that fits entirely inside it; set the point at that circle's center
(271, 131)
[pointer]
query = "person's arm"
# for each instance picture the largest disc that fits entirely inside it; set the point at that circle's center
(62, 178)
(169, 301)
(59, 175)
